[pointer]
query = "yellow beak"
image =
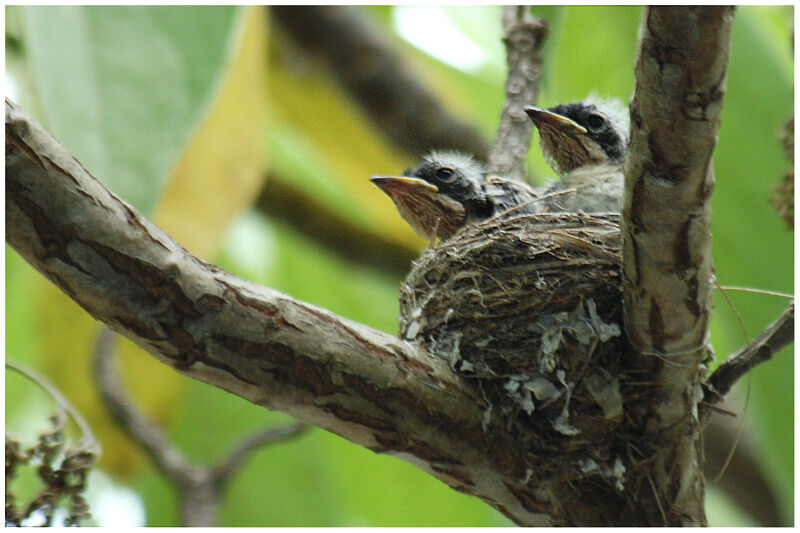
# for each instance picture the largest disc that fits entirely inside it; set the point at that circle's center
(543, 117)
(405, 183)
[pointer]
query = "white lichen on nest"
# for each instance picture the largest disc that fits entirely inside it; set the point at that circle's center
(530, 308)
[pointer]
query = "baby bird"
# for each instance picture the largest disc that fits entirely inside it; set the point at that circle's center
(586, 143)
(449, 190)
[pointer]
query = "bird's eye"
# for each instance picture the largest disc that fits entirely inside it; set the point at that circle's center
(445, 174)
(595, 121)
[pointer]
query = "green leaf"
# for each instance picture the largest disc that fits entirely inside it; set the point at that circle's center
(752, 246)
(592, 49)
(122, 87)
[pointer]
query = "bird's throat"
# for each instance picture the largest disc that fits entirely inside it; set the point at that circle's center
(431, 216)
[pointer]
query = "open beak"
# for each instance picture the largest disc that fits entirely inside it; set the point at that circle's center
(403, 184)
(543, 117)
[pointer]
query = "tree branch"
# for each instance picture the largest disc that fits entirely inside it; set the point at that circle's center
(199, 487)
(146, 433)
(667, 270)
(524, 37)
(774, 338)
(681, 75)
(364, 385)
(279, 200)
(250, 444)
(377, 78)
(744, 480)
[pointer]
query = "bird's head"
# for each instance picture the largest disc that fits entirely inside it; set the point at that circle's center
(590, 132)
(439, 196)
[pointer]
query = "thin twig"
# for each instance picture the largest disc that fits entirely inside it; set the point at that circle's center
(145, 432)
(529, 202)
(253, 442)
(88, 441)
(658, 500)
(740, 430)
(755, 291)
(777, 335)
(745, 482)
(200, 487)
(524, 35)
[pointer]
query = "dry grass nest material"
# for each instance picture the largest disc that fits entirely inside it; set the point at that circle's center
(529, 308)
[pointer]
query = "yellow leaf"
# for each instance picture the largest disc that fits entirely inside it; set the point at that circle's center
(216, 177)
(340, 139)
(222, 169)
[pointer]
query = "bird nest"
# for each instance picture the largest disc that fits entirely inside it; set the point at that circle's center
(530, 309)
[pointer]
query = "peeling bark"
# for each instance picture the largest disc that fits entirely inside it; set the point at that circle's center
(362, 384)
(680, 82)
(524, 37)
(379, 392)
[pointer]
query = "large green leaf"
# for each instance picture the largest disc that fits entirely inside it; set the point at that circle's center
(123, 87)
(752, 246)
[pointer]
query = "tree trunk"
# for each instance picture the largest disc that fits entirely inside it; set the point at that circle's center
(382, 393)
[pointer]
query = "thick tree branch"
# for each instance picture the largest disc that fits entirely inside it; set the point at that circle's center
(681, 75)
(680, 81)
(364, 385)
(374, 74)
(524, 36)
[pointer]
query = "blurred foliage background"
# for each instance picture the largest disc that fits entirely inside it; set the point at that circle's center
(210, 120)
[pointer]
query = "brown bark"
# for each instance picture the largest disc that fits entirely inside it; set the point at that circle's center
(362, 384)
(378, 391)
(524, 37)
(774, 338)
(680, 82)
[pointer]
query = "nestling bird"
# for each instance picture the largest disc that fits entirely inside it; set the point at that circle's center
(449, 190)
(586, 143)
